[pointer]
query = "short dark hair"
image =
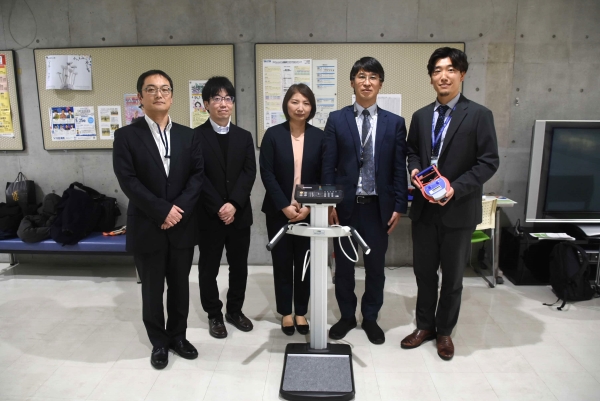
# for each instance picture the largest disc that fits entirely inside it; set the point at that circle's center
(368, 64)
(142, 78)
(305, 91)
(458, 58)
(213, 86)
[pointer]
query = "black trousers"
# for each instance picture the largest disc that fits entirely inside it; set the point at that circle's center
(237, 245)
(173, 265)
(437, 246)
(367, 221)
(288, 260)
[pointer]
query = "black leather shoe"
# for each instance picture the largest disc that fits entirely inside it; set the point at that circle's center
(159, 357)
(217, 328)
(287, 330)
(184, 349)
(240, 321)
(341, 328)
(374, 332)
(302, 328)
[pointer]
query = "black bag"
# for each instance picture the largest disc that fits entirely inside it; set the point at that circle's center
(22, 192)
(36, 228)
(10, 218)
(109, 208)
(78, 214)
(569, 273)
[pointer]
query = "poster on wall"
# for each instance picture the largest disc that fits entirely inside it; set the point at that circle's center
(70, 123)
(278, 76)
(109, 120)
(133, 108)
(6, 128)
(69, 72)
(324, 86)
(198, 114)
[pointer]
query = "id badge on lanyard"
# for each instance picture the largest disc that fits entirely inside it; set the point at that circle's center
(434, 161)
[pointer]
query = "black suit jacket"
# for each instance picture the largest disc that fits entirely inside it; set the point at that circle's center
(277, 164)
(224, 183)
(142, 177)
(468, 159)
(342, 156)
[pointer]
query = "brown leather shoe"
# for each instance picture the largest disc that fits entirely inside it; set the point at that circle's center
(417, 338)
(445, 347)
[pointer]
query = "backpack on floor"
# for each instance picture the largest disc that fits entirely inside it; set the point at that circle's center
(569, 273)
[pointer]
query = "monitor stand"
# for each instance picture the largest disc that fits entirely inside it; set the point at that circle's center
(318, 370)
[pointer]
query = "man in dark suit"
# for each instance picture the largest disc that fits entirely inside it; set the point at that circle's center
(224, 210)
(365, 151)
(159, 167)
(457, 135)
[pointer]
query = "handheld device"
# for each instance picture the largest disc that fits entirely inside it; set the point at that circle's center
(432, 184)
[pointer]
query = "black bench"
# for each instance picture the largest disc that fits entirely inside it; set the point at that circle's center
(93, 244)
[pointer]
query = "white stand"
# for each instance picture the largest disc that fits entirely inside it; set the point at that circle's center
(320, 370)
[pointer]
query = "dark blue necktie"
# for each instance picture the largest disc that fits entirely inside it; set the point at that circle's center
(368, 167)
(438, 127)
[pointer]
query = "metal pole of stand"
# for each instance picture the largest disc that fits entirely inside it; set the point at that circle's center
(317, 370)
(318, 279)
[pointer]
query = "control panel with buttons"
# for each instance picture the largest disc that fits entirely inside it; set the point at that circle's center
(319, 193)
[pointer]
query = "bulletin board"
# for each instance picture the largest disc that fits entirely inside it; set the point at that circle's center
(115, 71)
(16, 141)
(404, 64)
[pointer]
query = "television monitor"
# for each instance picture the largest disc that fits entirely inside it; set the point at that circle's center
(564, 173)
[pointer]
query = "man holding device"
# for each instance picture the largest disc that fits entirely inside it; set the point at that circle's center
(458, 136)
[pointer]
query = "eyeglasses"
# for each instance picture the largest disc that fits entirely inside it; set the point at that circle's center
(226, 99)
(153, 90)
(362, 78)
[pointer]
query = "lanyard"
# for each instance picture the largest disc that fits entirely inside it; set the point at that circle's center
(164, 141)
(435, 139)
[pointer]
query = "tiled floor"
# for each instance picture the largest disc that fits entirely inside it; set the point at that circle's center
(75, 333)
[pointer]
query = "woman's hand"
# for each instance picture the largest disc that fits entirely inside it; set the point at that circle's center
(304, 211)
(291, 212)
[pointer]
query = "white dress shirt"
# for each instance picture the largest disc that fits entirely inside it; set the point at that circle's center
(217, 128)
(166, 134)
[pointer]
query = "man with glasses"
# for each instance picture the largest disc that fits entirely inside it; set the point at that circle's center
(159, 166)
(365, 151)
(224, 210)
(458, 136)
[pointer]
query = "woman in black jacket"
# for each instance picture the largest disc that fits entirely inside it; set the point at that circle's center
(290, 154)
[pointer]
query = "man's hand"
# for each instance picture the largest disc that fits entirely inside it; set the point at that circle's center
(304, 211)
(333, 217)
(291, 212)
(449, 195)
(413, 179)
(393, 222)
(174, 217)
(226, 213)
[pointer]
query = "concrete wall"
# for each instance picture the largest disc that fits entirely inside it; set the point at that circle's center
(546, 53)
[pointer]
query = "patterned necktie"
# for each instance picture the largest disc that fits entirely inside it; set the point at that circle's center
(438, 127)
(368, 167)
